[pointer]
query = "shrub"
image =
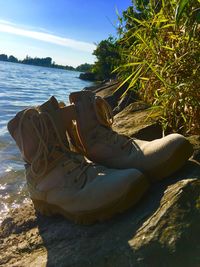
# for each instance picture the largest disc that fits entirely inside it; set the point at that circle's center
(160, 52)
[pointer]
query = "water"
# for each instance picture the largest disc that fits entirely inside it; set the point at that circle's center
(22, 86)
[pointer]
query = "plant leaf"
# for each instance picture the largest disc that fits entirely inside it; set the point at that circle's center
(134, 80)
(144, 78)
(128, 78)
(168, 25)
(180, 8)
(168, 48)
(157, 74)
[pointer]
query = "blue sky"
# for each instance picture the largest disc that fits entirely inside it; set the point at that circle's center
(66, 30)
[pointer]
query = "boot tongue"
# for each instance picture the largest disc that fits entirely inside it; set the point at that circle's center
(78, 96)
(52, 103)
(61, 116)
(13, 123)
(23, 132)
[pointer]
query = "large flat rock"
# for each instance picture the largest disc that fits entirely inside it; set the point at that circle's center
(137, 120)
(162, 230)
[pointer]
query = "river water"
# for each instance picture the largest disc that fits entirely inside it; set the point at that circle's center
(22, 86)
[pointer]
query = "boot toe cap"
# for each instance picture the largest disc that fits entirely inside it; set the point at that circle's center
(171, 153)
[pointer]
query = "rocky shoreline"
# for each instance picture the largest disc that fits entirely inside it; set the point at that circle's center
(162, 230)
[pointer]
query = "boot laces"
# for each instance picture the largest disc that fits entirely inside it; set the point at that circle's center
(103, 112)
(105, 117)
(80, 164)
(38, 121)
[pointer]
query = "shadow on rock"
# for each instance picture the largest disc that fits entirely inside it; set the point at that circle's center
(162, 230)
(154, 233)
(101, 244)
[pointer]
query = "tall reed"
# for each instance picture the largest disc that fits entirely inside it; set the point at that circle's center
(161, 61)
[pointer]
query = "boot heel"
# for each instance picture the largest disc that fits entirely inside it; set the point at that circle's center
(43, 207)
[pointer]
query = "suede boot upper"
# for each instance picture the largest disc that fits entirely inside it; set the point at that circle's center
(61, 181)
(94, 137)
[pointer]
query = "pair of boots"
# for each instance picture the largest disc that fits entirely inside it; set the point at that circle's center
(54, 138)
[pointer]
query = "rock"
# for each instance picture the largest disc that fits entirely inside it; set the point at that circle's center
(124, 101)
(170, 237)
(139, 121)
(95, 87)
(195, 141)
(162, 230)
(110, 92)
(87, 76)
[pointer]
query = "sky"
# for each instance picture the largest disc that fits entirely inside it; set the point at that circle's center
(65, 30)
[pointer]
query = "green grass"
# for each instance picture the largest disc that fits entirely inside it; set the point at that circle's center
(161, 61)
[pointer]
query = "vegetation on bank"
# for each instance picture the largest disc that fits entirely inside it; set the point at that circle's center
(158, 55)
(44, 62)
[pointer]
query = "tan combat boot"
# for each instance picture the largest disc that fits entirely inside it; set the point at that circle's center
(93, 137)
(61, 181)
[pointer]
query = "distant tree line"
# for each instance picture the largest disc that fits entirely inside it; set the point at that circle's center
(44, 62)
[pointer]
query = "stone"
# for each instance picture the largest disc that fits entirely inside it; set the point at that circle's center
(162, 230)
(110, 92)
(87, 76)
(139, 121)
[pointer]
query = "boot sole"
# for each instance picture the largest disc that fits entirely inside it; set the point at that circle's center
(104, 213)
(172, 164)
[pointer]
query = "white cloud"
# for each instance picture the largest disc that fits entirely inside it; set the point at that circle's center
(11, 28)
